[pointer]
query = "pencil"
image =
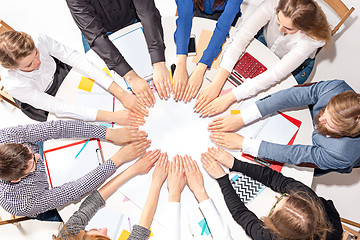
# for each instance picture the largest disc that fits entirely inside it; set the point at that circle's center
(82, 148)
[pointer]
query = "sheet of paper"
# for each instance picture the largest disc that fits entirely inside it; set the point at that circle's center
(134, 49)
(202, 43)
(71, 168)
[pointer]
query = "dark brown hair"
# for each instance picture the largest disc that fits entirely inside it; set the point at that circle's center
(199, 4)
(14, 46)
(14, 159)
(300, 217)
(82, 235)
(308, 17)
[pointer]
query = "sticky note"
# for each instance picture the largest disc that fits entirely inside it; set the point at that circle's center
(151, 233)
(203, 224)
(107, 71)
(235, 177)
(124, 235)
(86, 84)
(235, 111)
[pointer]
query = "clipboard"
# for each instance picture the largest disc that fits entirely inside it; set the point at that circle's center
(62, 166)
(277, 166)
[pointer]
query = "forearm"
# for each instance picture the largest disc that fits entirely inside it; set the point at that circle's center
(117, 91)
(150, 205)
(183, 26)
(220, 78)
(110, 187)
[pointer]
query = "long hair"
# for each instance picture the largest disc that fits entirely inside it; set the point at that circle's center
(82, 235)
(308, 17)
(344, 110)
(301, 217)
(199, 4)
(14, 46)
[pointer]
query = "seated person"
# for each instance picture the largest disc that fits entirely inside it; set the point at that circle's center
(335, 109)
(185, 171)
(225, 12)
(24, 187)
(74, 227)
(98, 18)
(36, 67)
(298, 213)
(293, 30)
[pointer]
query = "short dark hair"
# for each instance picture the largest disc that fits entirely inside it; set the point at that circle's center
(14, 160)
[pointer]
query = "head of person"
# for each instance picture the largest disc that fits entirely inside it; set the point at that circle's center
(199, 4)
(17, 161)
(298, 216)
(341, 116)
(305, 16)
(92, 234)
(18, 51)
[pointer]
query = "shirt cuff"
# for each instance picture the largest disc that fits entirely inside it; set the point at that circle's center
(250, 114)
(208, 206)
(251, 146)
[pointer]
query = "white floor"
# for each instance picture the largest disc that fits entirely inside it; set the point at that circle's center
(339, 61)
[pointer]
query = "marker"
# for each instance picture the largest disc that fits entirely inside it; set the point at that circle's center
(262, 162)
(82, 148)
(173, 67)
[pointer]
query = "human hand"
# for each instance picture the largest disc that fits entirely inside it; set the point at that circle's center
(219, 105)
(180, 78)
(221, 156)
(120, 136)
(212, 167)
(141, 88)
(131, 102)
(229, 123)
(161, 170)
(194, 178)
(161, 80)
(195, 81)
(130, 152)
(125, 117)
(145, 162)
(227, 140)
(176, 179)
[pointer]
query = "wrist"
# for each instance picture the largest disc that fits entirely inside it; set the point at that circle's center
(109, 134)
(201, 195)
(201, 67)
(181, 61)
(159, 65)
(174, 197)
(131, 76)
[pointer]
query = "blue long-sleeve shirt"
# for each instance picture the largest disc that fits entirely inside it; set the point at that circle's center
(184, 23)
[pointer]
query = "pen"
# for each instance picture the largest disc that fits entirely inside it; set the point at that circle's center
(262, 162)
(82, 148)
(129, 224)
(148, 78)
(99, 156)
(127, 85)
(208, 79)
(173, 67)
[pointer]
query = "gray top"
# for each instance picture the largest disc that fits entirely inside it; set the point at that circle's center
(87, 210)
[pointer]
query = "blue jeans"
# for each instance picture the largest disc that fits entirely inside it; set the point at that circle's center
(301, 73)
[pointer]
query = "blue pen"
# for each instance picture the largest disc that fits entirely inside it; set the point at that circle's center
(127, 85)
(82, 148)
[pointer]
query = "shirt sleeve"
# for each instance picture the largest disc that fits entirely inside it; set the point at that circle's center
(77, 60)
(251, 146)
(172, 226)
(183, 25)
(252, 225)
(81, 217)
(42, 200)
(40, 132)
(293, 59)
(245, 34)
(221, 31)
(218, 228)
(151, 21)
(139, 233)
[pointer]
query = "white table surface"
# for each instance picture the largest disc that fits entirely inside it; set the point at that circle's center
(261, 204)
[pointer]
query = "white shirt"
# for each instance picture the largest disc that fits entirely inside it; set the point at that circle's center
(30, 87)
(293, 49)
(219, 230)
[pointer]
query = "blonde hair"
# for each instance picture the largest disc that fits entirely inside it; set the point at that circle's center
(308, 17)
(344, 110)
(14, 46)
(300, 217)
(82, 235)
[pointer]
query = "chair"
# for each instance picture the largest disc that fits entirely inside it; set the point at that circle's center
(349, 232)
(3, 94)
(13, 220)
(341, 10)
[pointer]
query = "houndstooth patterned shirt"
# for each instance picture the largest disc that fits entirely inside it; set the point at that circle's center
(32, 196)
